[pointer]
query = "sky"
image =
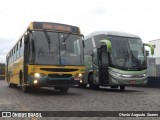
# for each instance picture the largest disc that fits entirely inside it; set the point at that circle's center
(140, 17)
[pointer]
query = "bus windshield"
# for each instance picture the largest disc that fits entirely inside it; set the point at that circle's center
(127, 53)
(62, 48)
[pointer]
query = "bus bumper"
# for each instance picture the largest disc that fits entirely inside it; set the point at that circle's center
(51, 82)
(124, 77)
(114, 80)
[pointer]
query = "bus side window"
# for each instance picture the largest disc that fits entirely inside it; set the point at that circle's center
(14, 54)
(17, 50)
(11, 57)
(21, 46)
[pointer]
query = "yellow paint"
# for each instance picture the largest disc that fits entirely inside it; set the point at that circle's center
(37, 69)
(15, 68)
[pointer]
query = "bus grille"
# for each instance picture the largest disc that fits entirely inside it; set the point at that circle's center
(59, 82)
(59, 76)
(58, 69)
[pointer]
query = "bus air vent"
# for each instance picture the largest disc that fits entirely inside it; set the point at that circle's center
(59, 76)
(58, 69)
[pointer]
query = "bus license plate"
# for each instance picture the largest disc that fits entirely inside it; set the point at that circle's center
(132, 81)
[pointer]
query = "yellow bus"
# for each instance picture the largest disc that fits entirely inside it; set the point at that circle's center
(46, 55)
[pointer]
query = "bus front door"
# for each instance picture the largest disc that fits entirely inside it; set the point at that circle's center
(103, 65)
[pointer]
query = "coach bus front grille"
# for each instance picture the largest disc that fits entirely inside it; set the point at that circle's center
(58, 69)
(59, 75)
(59, 82)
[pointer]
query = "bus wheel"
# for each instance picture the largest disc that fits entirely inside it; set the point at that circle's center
(122, 87)
(10, 85)
(114, 86)
(62, 89)
(82, 85)
(24, 88)
(91, 85)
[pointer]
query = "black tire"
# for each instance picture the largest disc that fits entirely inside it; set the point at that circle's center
(95, 87)
(114, 86)
(122, 87)
(91, 85)
(10, 85)
(62, 89)
(25, 88)
(82, 85)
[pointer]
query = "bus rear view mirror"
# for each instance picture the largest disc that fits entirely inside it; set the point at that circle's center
(103, 56)
(92, 55)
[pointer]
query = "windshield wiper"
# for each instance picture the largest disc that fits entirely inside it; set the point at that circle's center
(64, 40)
(48, 39)
(66, 37)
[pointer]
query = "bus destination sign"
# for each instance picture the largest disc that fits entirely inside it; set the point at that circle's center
(55, 27)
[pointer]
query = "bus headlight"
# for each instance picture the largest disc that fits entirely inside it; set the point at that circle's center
(127, 76)
(37, 75)
(79, 76)
(35, 81)
(115, 73)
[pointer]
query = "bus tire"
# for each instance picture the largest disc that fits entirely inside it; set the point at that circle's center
(63, 89)
(82, 85)
(91, 85)
(24, 88)
(122, 87)
(10, 85)
(114, 86)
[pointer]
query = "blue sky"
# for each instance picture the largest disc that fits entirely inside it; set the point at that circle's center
(140, 17)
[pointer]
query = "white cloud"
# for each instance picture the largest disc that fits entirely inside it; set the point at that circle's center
(139, 17)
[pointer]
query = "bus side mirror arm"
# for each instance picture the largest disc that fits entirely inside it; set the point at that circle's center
(108, 44)
(151, 47)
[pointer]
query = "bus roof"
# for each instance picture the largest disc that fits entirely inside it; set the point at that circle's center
(114, 33)
(54, 27)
